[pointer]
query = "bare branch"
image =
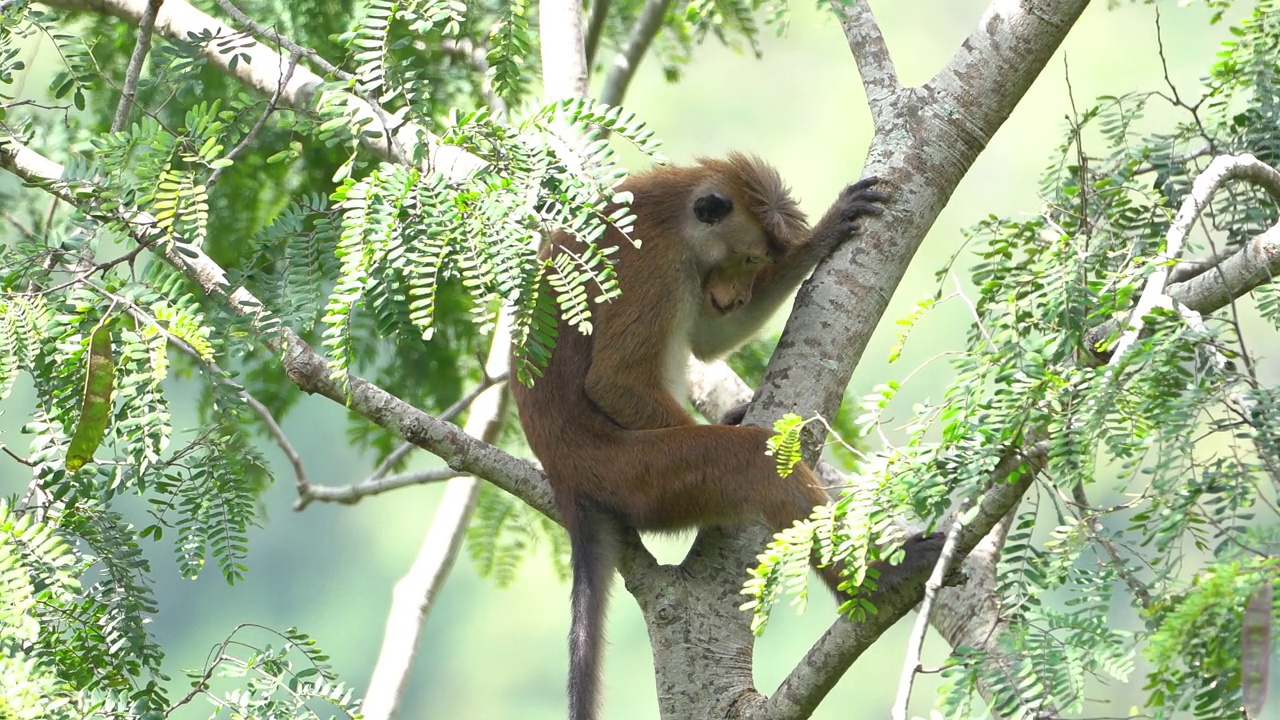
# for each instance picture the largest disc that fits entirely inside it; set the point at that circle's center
(915, 645)
(564, 62)
(261, 68)
(875, 63)
(140, 49)
(381, 480)
(304, 366)
(354, 493)
(261, 122)
(595, 29)
(628, 59)
(1220, 170)
(1256, 262)
(414, 593)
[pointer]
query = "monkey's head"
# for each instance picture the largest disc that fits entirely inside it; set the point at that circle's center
(730, 247)
(741, 219)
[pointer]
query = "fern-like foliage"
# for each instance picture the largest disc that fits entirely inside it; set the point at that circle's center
(36, 573)
(281, 674)
(1158, 495)
(504, 531)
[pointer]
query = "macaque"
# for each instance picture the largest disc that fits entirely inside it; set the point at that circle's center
(722, 245)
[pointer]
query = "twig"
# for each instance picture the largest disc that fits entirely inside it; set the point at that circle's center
(1090, 519)
(261, 31)
(875, 62)
(628, 59)
(259, 124)
(21, 460)
(1220, 170)
(595, 29)
(915, 645)
(84, 274)
(381, 480)
(355, 492)
(146, 26)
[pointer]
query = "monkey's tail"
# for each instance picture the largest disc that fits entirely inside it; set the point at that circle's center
(591, 547)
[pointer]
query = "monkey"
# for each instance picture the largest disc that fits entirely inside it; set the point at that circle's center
(722, 244)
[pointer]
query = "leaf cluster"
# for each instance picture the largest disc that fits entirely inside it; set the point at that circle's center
(1158, 498)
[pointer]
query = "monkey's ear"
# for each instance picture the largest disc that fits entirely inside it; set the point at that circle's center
(712, 208)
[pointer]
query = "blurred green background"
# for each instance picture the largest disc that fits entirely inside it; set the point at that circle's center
(500, 653)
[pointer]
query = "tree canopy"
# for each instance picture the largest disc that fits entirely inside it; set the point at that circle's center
(249, 203)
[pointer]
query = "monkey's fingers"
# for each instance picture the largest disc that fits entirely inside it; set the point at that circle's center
(863, 207)
(863, 184)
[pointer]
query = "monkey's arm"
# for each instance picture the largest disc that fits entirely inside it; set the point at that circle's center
(621, 390)
(631, 351)
(714, 337)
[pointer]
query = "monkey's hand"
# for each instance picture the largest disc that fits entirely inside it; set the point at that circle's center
(736, 415)
(858, 200)
(841, 221)
(921, 553)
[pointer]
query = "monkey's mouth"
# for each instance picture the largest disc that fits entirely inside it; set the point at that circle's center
(713, 309)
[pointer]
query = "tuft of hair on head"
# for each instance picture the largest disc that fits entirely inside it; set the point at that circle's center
(766, 195)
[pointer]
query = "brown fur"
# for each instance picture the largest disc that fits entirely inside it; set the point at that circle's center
(605, 419)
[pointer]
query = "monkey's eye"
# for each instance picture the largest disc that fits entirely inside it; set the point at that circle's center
(757, 260)
(712, 208)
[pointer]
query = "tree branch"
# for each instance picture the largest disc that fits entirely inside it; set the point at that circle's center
(304, 366)
(595, 30)
(915, 645)
(146, 25)
(261, 68)
(845, 641)
(1220, 170)
(971, 614)
(875, 62)
(381, 480)
(627, 61)
(1222, 278)
(414, 593)
(565, 75)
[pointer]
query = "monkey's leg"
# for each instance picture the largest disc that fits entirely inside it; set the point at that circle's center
(716, 474)
(702, 475)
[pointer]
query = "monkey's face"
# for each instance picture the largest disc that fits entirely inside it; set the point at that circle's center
(730, 248)
(727, 287)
